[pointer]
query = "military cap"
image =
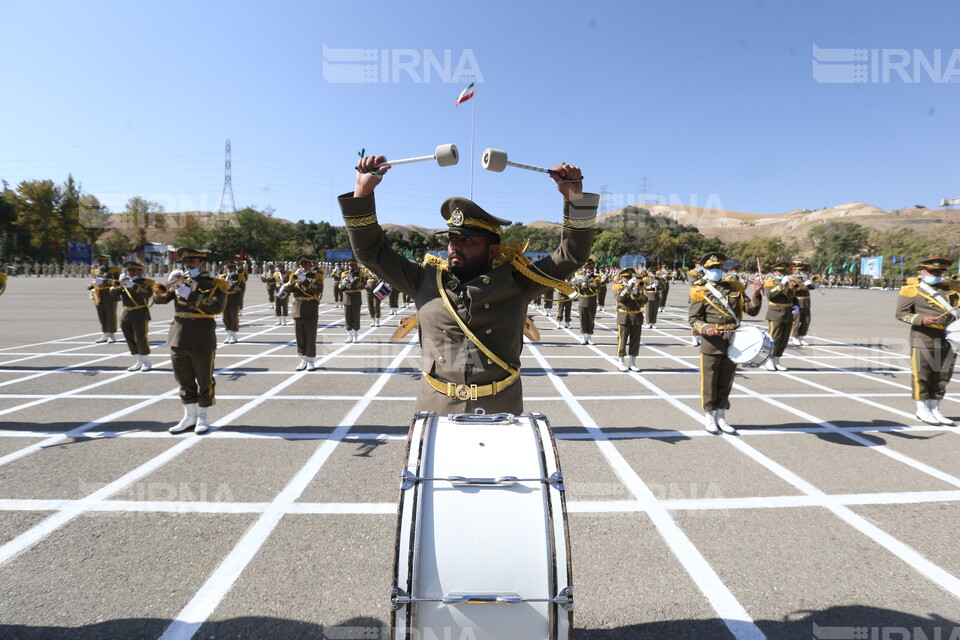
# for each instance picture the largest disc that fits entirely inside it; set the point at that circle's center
(629, 272)
(799, 263)
(352, 261)
(130, 264)
(779, 265)
(935, 262)
(731, 264)
(231, 263)
(100, 257)
(305, 258)
(186, 252)
(591, 262)
(466, 218)
(715, 259)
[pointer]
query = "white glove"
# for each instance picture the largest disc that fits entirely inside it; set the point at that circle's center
(126, 282)
(176, 273)
(784, 280)
(795, 309)
(808, 283)
(184, 291)
(98, 281)
(633, 291)
(302, 277)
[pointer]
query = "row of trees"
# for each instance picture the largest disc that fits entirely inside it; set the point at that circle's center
(39, 218)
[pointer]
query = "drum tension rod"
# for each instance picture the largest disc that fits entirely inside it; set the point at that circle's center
(408, 480)
(399, 598)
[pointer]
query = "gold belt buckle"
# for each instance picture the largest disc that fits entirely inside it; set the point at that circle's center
(462, 391)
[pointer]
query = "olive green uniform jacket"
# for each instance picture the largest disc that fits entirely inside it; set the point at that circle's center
(931, 356)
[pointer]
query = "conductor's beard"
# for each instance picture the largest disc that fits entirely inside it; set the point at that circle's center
(467, 269)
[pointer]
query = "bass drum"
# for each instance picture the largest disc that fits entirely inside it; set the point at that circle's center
(750, 345)
(952, 334)
(482, 537)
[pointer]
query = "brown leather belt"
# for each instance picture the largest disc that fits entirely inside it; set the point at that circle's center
(470, 391)
(191, 316)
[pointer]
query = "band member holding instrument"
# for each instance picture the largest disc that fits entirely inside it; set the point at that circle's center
(281, 304)
(104, 277)
(307, 289)
(716, 309)
(800, 270)
(373, 302)
(471, 307)
(352, 285)
(664, 275)
(588, 287)
(652, 289)
(135, 292)
(198, 297)
(928, 304)
(335, 276)
(630, 301)
(780, 290)
(236, 285)
(267, 278)
(564, 309)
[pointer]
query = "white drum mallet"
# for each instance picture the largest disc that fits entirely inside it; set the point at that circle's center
(496, 160)
(446, 155)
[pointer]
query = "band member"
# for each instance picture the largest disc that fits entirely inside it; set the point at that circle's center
(335, 276)
(564, 309)
(588, 286)
(928, 304)
(652, 286)
(630, 301)
(306, 287)
(695, 274)
(3, 281)
(780, 290)
(352, 285)
(716, 308)
(800, 270)
(472, 307)
(236, 285)
(135, 292)
(279, 278)
(104, 277)
(373, 302)
(664, 276)
(198, 297)
(267, 278)
(602, 289)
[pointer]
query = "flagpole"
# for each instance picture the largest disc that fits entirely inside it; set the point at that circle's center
(473, 116)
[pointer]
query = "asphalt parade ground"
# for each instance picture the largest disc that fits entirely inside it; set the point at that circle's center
(834, 513)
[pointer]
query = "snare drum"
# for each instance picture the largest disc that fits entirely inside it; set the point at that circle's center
(382, 290)
(952, 334)
(482, 538)
(750, 345)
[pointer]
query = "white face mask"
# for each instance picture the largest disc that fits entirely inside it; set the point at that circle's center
(932, 279)
(194, 272)
(714, 275)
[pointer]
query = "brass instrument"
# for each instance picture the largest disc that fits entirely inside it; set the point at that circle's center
(172, 283)
(282, 290)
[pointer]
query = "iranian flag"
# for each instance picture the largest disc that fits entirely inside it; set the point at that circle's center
(466, 94)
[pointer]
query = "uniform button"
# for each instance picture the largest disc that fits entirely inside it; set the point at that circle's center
(489, 361)
(441, 360)
(488, 331)
(486, 305)
(486, 280)
(445, 333)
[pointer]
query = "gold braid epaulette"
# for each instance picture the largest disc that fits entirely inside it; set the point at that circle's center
(436, 261)
(514, 255)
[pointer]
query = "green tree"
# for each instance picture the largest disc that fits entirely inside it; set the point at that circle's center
(117, 245)
(610, 242)
(768, 249)
(192, 235)
(8, 218)
(837, 242)
(37, 203)
(94, 218)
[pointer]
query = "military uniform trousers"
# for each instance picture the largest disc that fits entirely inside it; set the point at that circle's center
(373, 305)
(193, 370)
(602, 295)
(282, 306)
(780, 332)
(664, 292)
(231, 314)
(802, 323)
(305, 317)
(337, 291)
(547, 300)
(107, 312)
(394, 298)
(135, 325)
(653, 306)
(271, 293)
(629, 328)
(564, 308)
(717, 372)
(932, 365)
(588, 313)
(351, 310)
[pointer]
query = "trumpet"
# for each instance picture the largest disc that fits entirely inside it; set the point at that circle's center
(282, 291)
(172, 283)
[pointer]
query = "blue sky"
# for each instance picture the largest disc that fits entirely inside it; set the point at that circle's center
(713, 103)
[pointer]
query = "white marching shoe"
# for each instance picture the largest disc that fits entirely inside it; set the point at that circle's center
(202, 424)
(188, 421)
(101, 339)
(710, 422)
(302, 365)
(803, 341)
(779, 367)
(770, 365)
(622, 364)
(136, 366)
(566, 325)
(349, 336)
(310, 365)
(935, 410)
(356, 335)
(633, 364)
(723, 424)
(145, 362)
(583, 338)
(278, 322)
(110, 338)
(795, 341)
(924, 414)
